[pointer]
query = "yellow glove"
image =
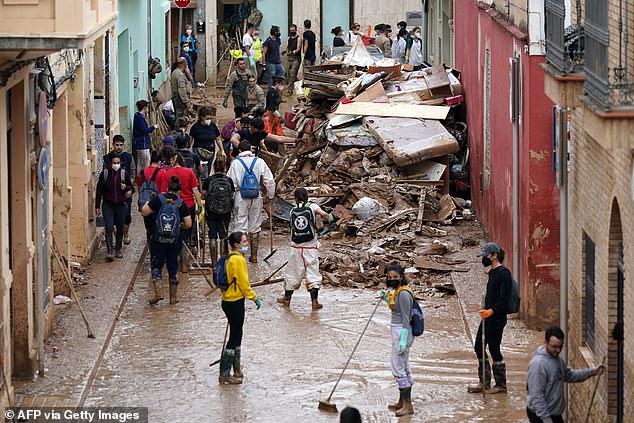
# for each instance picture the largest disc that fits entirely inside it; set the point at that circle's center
(201, 213)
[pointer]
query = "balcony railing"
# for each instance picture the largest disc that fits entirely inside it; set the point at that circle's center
(564, 46)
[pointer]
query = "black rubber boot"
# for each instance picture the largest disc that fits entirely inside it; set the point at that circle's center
(225, 247)
(314, 295)
(173, 291)
(226, 362)
(475, 389)
(499, 374)
(286, 299)
(254, 241)
(237, 370)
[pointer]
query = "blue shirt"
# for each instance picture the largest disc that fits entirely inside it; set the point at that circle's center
(141, 132)
(190, 64)
(192, 42)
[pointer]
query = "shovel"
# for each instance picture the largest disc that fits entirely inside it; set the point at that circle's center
(330, 406)
(266, 259)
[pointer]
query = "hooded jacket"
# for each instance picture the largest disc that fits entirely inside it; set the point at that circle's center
(545, 386)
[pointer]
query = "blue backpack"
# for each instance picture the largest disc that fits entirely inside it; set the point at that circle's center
(168, 221)
(417, 320)
(220, 274)
(148, 189)
(250, 186)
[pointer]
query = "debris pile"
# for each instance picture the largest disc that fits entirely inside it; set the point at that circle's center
(386, 150)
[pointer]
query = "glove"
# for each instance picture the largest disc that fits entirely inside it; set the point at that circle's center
(258, 304)
(156, 126)
(385, 295)
(331, 218)
(485, 314)
(402, 345)
(277, 113)
(224, 103)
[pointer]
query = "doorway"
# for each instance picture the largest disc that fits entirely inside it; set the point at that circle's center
(616, 308)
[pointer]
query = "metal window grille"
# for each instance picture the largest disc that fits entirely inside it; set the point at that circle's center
(555, 48)
(596, 51)
(590, 290)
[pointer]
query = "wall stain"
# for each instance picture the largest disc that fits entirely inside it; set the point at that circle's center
(538, 155)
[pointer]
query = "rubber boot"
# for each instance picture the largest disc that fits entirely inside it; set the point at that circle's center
(499, 374)
(173, 291)
(226, 361)
(286, 299)
(126, 236)
(157, 283)
(184, 261)
(476, 389)
(213, 250)
(253, 240)
(397, 405)
(225, 247)
(237, 370)
(407, 407)
(314, 295)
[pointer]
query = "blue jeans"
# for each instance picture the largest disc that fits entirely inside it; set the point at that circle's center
(114, 215)
(165, 253)
(273, 70)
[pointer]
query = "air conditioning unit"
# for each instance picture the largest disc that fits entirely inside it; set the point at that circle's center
(414, 19)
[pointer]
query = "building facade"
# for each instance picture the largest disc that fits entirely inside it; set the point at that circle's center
(53, 61)
(499, 49)
(589, 76)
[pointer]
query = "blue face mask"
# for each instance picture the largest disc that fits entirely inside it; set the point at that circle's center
(244, 249)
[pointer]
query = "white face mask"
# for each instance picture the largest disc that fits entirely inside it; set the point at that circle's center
(189, 32)
(185, 49)
(417, 34)
(116, 166)
(207, 122)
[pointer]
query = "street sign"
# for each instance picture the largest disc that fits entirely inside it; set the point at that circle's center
(182, 3)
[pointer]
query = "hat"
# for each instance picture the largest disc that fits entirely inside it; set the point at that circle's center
(489, 248)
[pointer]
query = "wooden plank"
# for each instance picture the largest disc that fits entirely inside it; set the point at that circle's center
(421, 212)
(393, 110)
(425, 263)
(374, 93)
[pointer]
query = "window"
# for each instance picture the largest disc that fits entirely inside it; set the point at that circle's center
(589, 291)
(555, 13)
(596, 51)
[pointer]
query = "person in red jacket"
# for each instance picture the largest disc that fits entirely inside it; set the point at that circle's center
(159, 180)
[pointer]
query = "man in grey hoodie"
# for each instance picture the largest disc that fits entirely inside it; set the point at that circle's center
(547, 373)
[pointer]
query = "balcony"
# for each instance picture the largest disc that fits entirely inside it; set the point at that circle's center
(31, 28)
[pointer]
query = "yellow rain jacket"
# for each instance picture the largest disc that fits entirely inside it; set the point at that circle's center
(237, 270)
(257, 46)
(393, 296)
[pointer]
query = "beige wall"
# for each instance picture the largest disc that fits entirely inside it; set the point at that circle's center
(389, 12)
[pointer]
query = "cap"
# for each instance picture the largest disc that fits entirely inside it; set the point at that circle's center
(489, 248)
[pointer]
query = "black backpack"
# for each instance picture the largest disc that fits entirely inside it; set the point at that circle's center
(188, 158)
(303, 228)
(219, 195)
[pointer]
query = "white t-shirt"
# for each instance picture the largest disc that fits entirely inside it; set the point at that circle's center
(247, 43)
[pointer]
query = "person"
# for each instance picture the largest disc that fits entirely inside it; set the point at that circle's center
(547, 374)
(493, 315)
(351, 36)
(141, 135)
(191, 40)
(181, 88)
(249, 50)
(292, 50)
(303, 259)
(191, 196)
(179, 129)
(399, 47)
(206, 135)
(401, 303)
(338, 41)
(273, 95)
(154, 172)
(189, 71)
(166, 250)
(233, 307)
(191, 159)
(272, 123)
(309, 44)
(257, 47)
(232, 127)
(248, 211)
(271, 58)
(255, 95)
(113, 191)
(255, 136)
(350, 415)
(237, 85)
(127, 163)
(218, 190)
(415, 51)
(408, 36)
(382, 41)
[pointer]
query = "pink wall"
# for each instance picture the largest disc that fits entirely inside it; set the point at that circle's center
(475, 30)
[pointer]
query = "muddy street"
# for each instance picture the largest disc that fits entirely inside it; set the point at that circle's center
(159, 358)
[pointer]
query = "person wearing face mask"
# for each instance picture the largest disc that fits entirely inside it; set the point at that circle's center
(257, 47)
(189, 38)
(249, 50)
(271, 58)
(127, 164)
(493, 314)
(415, 51)
(382, 41)
(189, 71)
(292, 50)
(114, 189)
(206, 136)
(273, 95)
(303, 259)
(233, 307)
(399, 47)
(351, 36)
(400, 299)
(338, 39)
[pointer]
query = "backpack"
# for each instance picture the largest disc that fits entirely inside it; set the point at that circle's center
(513, 302)
(219, 196)
(227, 130)
(250, 186)
(148, 190)
(303, 226)
(168, 221)
(220, 273)
(188, 158)
(106, 172)
(417, 320)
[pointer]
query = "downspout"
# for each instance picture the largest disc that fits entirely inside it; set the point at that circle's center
(515, 117)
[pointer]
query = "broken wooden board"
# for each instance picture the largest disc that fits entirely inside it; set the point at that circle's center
(393, 110)
(374, 93)
(447, 208)
(409, 141)
(355, 134)
(425, 263)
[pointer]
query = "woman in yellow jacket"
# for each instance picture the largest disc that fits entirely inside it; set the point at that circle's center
(233, 306)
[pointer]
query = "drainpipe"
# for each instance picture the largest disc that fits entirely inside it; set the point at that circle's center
(515, 115)
(562, 117)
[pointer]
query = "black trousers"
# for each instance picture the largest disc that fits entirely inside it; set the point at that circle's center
(234, 310)
(493, 338)
(219, 226)
(534, 418)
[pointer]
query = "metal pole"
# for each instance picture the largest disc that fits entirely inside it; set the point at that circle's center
(515, 112)
(180, 28)
(562, 116)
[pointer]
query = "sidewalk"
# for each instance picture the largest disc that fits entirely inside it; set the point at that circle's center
(64, 383)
